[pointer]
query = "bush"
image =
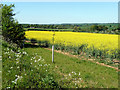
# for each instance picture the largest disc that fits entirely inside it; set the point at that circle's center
(33, 41)
(11, 30)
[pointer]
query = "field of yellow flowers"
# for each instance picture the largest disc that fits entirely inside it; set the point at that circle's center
(100, 42)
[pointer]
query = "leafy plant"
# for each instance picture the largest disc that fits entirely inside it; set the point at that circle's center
(11, 30)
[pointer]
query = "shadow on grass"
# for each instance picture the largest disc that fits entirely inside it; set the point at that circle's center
(34, 46)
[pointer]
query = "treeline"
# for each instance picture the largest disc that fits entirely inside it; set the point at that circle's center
(108, 28)
(49, 26)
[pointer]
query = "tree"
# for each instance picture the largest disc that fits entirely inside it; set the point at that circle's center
(93, 28)
(0, 19)
(51, 26)
(102, 28)
(12, 31)
(76, 29)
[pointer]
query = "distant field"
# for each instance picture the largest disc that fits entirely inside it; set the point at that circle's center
(99, 41)
(42, 29)
(98, 45)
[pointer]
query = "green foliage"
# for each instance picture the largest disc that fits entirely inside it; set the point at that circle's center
(76, 29)
(107, 28)
(12, 31)
(98, 28)
(21, 70)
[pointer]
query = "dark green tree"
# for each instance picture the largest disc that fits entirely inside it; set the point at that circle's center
(76, 29)
(93, 28)
(11, 30)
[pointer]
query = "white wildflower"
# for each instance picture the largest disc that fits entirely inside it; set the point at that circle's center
(75, 84)
(18, 67)
(18, 77)
(24, 53)
(40, 65)
(33, 57)
(17, 62)
(7, 48)
(69, 74)
(74, 73)
(17, 58)
(11, 50)
(13, 82)
(17, 55)
(8, 87)
(11, 67)
(45, 65)
(39, 59)
(80, 78)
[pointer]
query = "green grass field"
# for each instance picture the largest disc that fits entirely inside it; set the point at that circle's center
(33, 68)
(92, 75)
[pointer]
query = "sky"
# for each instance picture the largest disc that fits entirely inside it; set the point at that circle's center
(60, 0)
(65, 12)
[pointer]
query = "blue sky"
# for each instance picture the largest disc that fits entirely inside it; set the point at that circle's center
(66, 12)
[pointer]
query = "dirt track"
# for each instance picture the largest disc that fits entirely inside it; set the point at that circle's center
(92, 60)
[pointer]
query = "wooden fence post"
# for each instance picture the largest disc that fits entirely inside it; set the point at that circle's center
(53, 53)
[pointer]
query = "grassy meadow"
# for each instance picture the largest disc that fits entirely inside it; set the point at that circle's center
(31, 67)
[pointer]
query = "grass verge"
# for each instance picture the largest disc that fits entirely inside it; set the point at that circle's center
(72, 72)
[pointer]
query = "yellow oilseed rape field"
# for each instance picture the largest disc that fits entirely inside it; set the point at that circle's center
(102, 42)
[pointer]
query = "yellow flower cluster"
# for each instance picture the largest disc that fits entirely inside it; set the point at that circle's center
(99, 41)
